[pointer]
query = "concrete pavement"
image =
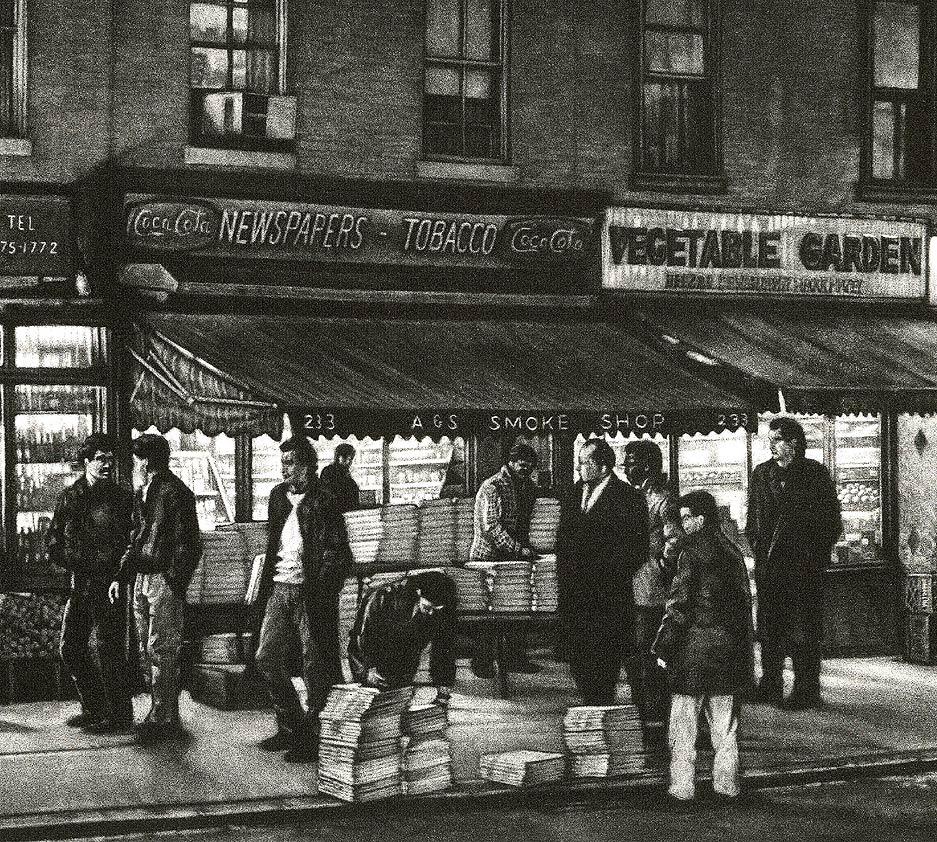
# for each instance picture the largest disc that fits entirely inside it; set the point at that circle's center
(880, 718)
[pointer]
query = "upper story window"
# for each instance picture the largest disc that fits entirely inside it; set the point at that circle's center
(900, 138)
(12, 68)
(238, 75)
(465, 81)
(678, 69)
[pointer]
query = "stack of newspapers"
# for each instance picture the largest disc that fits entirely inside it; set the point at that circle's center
(464, 529)
(544, 584)
(382, 535)
(359, 742)
(470, 588)
(523, 767)
(604, 740)
(508, 584)
(427, 765)
(544, 523)
(437, 530)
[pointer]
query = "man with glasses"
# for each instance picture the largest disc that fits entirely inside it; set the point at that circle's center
(89, 532)
(793, 522)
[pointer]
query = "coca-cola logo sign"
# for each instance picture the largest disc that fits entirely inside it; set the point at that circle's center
(547, 238)
(173, 224)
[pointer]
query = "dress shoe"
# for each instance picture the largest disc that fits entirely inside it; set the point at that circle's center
(765, 694)
(277, 742)
(79, 720)
(150, 733)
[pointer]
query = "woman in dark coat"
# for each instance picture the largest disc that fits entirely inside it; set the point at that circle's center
(705, 641)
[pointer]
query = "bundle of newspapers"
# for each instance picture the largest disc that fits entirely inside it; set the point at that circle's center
(544, 583)
(523, 767)
(359, 742)
(544, 524)
(427, 764)
(470, 588)
(388, 534)
(605, 740)
(507, 583)
(464, 529)
(436, 536)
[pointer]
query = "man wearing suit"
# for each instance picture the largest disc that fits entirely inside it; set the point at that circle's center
(602, 541)
(302, 575)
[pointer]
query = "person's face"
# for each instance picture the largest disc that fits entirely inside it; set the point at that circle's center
(139, 470)
(524, 468)
(636, 468)
(98, 467)
(295, 472)
(691, 523)
(782, 450)
(589, 468)
(426, 608)
(346, 460)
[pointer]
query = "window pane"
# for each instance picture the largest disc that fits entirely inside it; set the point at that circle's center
(478, 84)
(419, 467)
(896, 45)
(208, 22)
(676, 12)
(443, 31)
(367, 469)
(670, 52)
(887, 157)
(442, 81)
(260, 72)
(209, 68)
(677, 128)
(717, 463)
(858, 483)
(58, 346)
(479, 30)
(256, 24)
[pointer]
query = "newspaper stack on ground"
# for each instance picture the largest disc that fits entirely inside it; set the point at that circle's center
(427, 765)
(544, 523)
(464, 529)
(436, 537)
(359, 742)
(605, 740)
(382, 535)
(523, 767)
(470, 588)
(545, 593)
(508, 584)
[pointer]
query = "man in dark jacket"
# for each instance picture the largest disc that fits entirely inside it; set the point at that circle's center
(304, 568)
(705, 641)
(793, 522)
(338, 479)
(165, 548)
(602, 540)
(394, 625)
(89, 533)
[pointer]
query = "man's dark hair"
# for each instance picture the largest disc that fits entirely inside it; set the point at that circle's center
(603, 452)
(303, 450)
(153, 448)
(792, 431)
(520, 450)
(437, 587)
(647, 452)
(702, 503)
(96, 442)
(344, 449)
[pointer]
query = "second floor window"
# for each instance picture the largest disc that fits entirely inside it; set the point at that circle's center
(901, 140)
(677, 130)
(237, 74)
(12, 68)
(465, 87)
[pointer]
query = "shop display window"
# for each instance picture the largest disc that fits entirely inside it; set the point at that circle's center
(420, 468)
(50, 424)
(58, 346)
(367, 469)
(718, 463)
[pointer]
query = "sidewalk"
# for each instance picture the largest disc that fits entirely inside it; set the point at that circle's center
(57, 783)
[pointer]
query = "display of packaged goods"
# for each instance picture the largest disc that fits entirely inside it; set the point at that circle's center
(228, 648)
(523, 767)
(508, 584)
(223, 573)
(30, 625)
(603, 729)
(544, 523)
(545, 593)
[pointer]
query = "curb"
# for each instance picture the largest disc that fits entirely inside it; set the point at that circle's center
(475, 794)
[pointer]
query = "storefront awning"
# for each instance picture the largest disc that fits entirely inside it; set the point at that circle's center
(823, 360)
(425, 377)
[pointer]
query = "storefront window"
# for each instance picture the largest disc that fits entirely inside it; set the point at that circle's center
(58, 346)
(367, 468)
(419, 467)
(717, 463)
(50, 424)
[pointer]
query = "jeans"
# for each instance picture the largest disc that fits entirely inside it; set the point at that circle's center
(722, 714)
(104, 693)
(159, 614)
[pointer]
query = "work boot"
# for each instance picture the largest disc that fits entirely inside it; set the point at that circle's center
(79, 720)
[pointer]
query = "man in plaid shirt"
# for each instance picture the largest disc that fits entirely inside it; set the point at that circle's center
(503, 507)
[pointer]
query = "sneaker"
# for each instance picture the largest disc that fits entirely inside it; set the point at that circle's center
(277, 742)
(79, 720)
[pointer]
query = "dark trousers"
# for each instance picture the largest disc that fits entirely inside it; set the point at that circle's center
(597, 644)
(791, 627)
(104, 692)
(649, 680)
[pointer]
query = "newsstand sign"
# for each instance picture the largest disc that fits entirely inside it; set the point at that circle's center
(328, 233)
(35, 236)
(704, 253)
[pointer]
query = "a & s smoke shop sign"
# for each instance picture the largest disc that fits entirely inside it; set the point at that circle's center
(686, 252)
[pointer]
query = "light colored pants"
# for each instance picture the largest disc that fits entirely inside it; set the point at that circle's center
(723, 718)
(159, 615)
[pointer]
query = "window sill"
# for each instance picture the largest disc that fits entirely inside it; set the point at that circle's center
(677, 183)
(896, 193)
(502, 173)
(206, 156)
(16, 146)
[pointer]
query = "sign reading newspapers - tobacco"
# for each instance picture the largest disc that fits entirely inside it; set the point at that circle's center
(707, 253)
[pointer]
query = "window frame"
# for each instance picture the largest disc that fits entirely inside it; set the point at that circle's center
(501, 66)
(645, 178)
(13, 124)
(279, 51)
